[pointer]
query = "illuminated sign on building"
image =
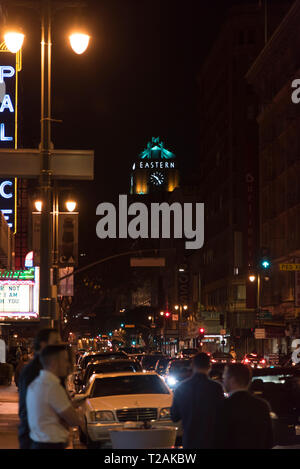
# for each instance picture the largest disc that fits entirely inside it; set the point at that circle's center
(155, 169)
(10, 65)
(19, 294)
(8, 201)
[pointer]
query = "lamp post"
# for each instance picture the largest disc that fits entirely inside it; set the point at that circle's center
(45, 299)
(180, 308)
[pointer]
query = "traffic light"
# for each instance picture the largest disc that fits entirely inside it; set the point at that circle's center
(167, 314)
(264, 260)
(201, 332)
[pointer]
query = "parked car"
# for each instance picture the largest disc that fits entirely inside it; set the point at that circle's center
(115, 398)
(281, 388)
(178, 370)
(103, 367)
(221, 357)
(254, 360)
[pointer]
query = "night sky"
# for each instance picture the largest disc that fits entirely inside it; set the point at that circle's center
(138, 79)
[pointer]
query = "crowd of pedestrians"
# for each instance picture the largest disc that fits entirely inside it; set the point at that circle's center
(209, 419)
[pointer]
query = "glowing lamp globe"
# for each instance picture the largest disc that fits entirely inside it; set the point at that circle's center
(14, 41)
(38, 205)
(71, 205)
(79, 42)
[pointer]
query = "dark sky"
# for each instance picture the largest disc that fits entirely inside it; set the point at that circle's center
(136, 80)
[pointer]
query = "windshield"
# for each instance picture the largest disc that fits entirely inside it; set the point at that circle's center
(123, 385)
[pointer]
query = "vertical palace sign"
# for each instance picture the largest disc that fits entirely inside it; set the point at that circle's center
(10, 65)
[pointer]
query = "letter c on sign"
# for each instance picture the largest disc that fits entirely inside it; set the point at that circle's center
(2, 191)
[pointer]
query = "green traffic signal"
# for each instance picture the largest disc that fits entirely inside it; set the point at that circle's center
(265, 263)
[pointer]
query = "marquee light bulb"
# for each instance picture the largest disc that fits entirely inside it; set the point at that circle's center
(79, 42)
(14, 41)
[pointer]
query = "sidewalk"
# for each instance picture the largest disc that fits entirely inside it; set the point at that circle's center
(9, 419)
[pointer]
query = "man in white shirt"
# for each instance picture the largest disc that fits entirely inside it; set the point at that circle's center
(49, 408)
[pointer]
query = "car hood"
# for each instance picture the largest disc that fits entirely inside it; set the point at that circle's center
(130, 401)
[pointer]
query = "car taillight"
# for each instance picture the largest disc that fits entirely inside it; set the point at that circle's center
(213, 361)
(246, 360)
(263, 361)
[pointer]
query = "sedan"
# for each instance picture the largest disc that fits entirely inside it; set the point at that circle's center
(111, 400)
(222, 357)
(103, 367)
(93, 356)
(281, 388)
(254, 360)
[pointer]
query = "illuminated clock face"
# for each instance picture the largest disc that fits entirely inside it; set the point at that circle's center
(157, 178)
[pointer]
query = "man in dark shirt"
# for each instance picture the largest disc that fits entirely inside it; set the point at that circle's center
(196, 401)
(243, 421)
(28, 374)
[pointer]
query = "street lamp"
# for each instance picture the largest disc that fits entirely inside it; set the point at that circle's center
(180, 308)
(14, 41)
(79, 44)
(38, 205)
(71, 205)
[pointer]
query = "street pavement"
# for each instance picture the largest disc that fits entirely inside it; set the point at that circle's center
(9, 419)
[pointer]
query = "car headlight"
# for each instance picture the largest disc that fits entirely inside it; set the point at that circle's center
(102, 416)
(165, 413)
(171, 381)
(273, 416)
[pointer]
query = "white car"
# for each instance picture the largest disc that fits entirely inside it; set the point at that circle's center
(112, 399)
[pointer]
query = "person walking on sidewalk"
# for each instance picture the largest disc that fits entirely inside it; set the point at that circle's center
(196, 402)
(50, 411)
(28, 374)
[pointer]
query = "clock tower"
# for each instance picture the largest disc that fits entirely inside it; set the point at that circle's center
(155, 170)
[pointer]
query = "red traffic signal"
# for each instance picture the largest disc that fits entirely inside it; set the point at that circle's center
(167, 314)
(201, 330)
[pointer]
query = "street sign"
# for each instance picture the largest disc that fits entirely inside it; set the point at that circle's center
(289, 267)
(147, 262)
(64, 164)
(223, 332)
(260, 333)
(174, 317)
(129, 325)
